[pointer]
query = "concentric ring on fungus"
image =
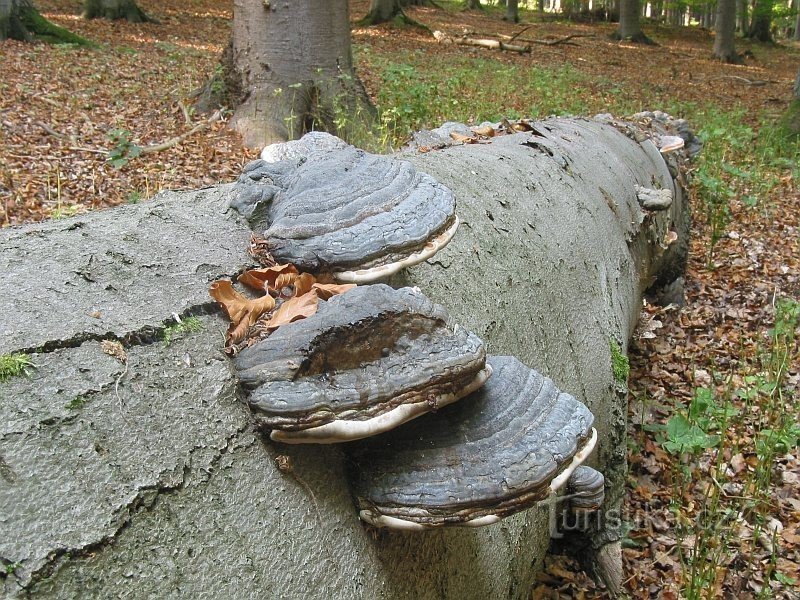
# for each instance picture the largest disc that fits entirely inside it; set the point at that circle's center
(502, 449)
(327, 207)
(367, 361)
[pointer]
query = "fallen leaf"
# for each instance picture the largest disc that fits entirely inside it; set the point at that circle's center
(328, 290)
(464, 139)
(293, 309)
(271, 278)
(486, 130)
(242, 311)
(304, 283)
(115, 349)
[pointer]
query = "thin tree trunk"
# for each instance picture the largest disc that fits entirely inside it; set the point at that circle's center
(761, 24)
(289, 70)
(742, 23)
(724, 32)
(797, 21)
(114, 9)
(512, 11)
(791, 120)
(629, 23)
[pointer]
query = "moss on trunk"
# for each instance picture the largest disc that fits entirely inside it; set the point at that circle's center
(26, 24)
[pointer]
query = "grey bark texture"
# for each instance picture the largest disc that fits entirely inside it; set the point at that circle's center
(725, 32)
(114, 9)
(630, 22)
(796, 35)
(381, 11)
(512, 11)
(147, 479)
(281, 92)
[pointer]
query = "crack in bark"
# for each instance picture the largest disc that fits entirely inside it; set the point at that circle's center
(146, 499)
(143, 336)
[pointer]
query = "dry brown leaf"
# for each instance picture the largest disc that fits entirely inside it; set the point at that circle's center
(304, 283)
(328, 290)
(115, 349)
(465, 139)
(293, 309)
(269, 278)
(486, 130)
(242, 311)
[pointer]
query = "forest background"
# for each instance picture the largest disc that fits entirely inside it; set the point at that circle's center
(714, 487)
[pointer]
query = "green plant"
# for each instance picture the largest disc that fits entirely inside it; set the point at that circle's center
(620, 365)
(14, 364)
(123, 150)
(187, 325)
(76, 403)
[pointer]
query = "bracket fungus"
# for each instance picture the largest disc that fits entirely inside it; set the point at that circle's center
(504, 448)
(327, 207)
(366, 362)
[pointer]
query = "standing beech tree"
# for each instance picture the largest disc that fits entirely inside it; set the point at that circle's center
(19, 20)
(114, 9)
(629, 26)
(761, 23)
(512, 11)
(791, 120)
(383, 11)
(289, 69)
(725, 31)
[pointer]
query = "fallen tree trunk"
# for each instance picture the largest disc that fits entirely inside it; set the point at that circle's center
(139, 471)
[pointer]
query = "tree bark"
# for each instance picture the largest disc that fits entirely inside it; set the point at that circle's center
(473, 4)
(725, 32)
(791, 120)
(796, 35)
(145, 464)
(512, 11)
(381, 11)
(629, 23)
(742, 23)
(19, 20)
(289, 69)
(114, 9)
(761, 23)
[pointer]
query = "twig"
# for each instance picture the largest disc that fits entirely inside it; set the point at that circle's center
(519, 33)
(753, 82)
(50, 130)
(180, 138)
(562, 40)
(94, 150)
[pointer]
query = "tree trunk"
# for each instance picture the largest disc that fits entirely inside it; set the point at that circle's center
(725, 32)
(512, 11)
(797, 20)
(761, 24)
(114, 9)
(139, 469)
(473, 4)
(742, 23)
(289, 70)
(791, 120)
(629, 23)
(19, 20)
(381, 11)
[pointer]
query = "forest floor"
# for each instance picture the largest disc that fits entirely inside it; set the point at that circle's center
(713, 507)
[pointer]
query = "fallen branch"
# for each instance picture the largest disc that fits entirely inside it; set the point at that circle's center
(562, 40)
(482, 43)
(180, 138)
(50, 131)
(753, 82)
